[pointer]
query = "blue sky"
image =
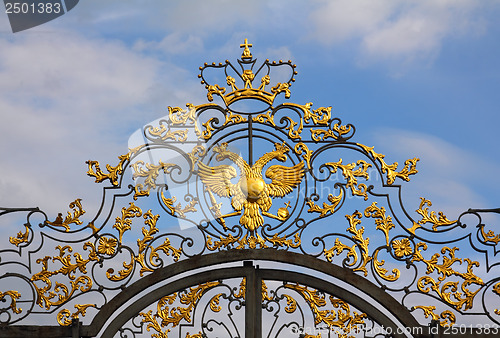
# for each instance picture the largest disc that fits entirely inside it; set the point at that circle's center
(416, 78)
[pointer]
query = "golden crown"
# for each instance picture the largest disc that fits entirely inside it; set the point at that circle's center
(247, 75)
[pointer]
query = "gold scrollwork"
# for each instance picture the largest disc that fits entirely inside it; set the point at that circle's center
(14, 296)
(448, 317)
(341, 318)
(150, 174)
(22, 237)
(113, 172)
(302, 149)
(390, 170)
(82, 283)
(63, 317)
(163, 133)
(382, 222)
(357, 189)
(178, 210)
(124, 223)
(431, 217)
(496, 289)
(448, 290)
(327, 208)
(170, 315)
(488, 237)
(70, 218)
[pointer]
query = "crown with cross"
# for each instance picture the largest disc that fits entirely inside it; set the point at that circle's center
(247, 74)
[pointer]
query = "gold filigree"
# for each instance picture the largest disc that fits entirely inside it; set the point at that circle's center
(350, 174)
(178, 210)
(448, 289)
(124, 222)
(150, 174)
(381, 271)
(64, 317)
(283, 242)
(448, 317)
(163, 133)
(113, 172)
(327, 208)
(382, 222)
(340, 318)
(302, 149)
(170, 315)
(22, 237)
(82, 283)
(496, 289)
(432, 218)
(390, 170)
(360, 242)
(197, 335)
(265, 118)
(293, 133)
(14, 296)
(354, 221)
(70, 218)
(143, 245)
(488, 237)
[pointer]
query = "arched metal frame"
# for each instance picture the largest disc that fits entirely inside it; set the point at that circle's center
(236, 208)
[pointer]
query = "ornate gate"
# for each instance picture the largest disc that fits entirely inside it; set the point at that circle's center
(252, 218)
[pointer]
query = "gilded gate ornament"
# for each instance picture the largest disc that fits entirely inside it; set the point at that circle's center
(225, 178)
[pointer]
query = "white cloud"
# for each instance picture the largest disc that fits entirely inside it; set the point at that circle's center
(394, 30)
(64, 99)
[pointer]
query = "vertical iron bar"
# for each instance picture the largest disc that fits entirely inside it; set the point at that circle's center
(253, 304)
(250, 141)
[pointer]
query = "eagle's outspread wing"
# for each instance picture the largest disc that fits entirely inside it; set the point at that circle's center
(218, 179)
(284, 179)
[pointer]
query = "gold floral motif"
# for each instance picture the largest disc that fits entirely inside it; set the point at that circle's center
(341, 318)
(362, 243)
(107, 245)
(487, 236)
(163, 133)
(70, 218)
(302, 148)
(283, 242)
(170, 315)
(390, 170)
(382, 222)
(178, 210)
(113, 172)
(464, 298)
(327, 208)
(14, 296)
(402, 247)
(436, 221)
(197, 335)
(496, 289)
(357, 189)
(124, 222)
(150, 173)
(293, 133)
(448, 317)
(381, 271)
(336, 132)
(265, 118)
(22, 237)
(63, 317)
(82, 283)
(143, 244)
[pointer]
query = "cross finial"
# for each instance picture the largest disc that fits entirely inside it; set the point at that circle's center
(246, 52)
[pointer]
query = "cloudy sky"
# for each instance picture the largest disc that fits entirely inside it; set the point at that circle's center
(416, 78)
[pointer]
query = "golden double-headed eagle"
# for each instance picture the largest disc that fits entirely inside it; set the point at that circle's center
(251, 196)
